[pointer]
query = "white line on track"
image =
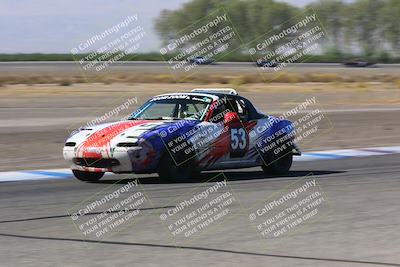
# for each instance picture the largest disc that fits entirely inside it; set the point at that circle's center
(29, 175)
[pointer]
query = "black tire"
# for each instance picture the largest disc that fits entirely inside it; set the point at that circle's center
(168, 170)
(87, 176)
(278, 164)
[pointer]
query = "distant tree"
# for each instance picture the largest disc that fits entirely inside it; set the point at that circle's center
(390, 21)
(331, 14)
(251, 18)
(170, 23)
(367, 28)
(349, 25)
(372, 26)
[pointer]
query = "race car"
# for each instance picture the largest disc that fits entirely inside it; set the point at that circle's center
(267, 63)
(359, 63)
(177, 135)
(200, 60)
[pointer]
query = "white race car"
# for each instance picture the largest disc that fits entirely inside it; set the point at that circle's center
(179, 134)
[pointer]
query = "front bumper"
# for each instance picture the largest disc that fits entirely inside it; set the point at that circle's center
(121, 160)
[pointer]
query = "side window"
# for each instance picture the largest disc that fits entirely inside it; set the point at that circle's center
(243, 110)
(219, 112)
(191, 110)
(231, 105)
(196, 110)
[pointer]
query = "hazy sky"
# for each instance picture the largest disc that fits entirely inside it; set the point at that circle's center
(57, 26)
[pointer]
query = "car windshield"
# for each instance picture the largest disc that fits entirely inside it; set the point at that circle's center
(174, 107)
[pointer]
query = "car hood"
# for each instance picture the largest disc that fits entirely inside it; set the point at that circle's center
(107, 132)
(105, 136)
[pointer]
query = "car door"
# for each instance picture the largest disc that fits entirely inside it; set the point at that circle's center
(232, 144)
(240, 141)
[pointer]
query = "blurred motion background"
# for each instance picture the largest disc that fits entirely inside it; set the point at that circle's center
(362, 28)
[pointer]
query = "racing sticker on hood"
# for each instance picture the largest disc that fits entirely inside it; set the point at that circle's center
(99, 141)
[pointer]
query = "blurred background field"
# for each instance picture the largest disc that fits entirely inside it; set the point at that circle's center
(205, 75)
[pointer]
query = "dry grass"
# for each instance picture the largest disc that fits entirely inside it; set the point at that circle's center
(237, 82)
(325, 77)
(203, 78)
(65, 83)
(397, 83)
(269, 95)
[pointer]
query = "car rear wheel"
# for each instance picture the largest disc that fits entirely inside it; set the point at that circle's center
(278, 164)
(169, 170)
(87, 176)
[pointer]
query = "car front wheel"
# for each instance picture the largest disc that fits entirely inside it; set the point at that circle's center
(87, 176)
(278, 164)
(169, 170)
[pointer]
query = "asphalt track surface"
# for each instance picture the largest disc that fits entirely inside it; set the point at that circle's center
(360, 229)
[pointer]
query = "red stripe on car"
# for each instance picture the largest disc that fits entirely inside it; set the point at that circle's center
(100, 140)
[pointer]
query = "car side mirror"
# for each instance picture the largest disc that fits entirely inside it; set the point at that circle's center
(231, 117)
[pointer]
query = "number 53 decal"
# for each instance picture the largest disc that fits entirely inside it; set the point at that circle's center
(238, 142)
